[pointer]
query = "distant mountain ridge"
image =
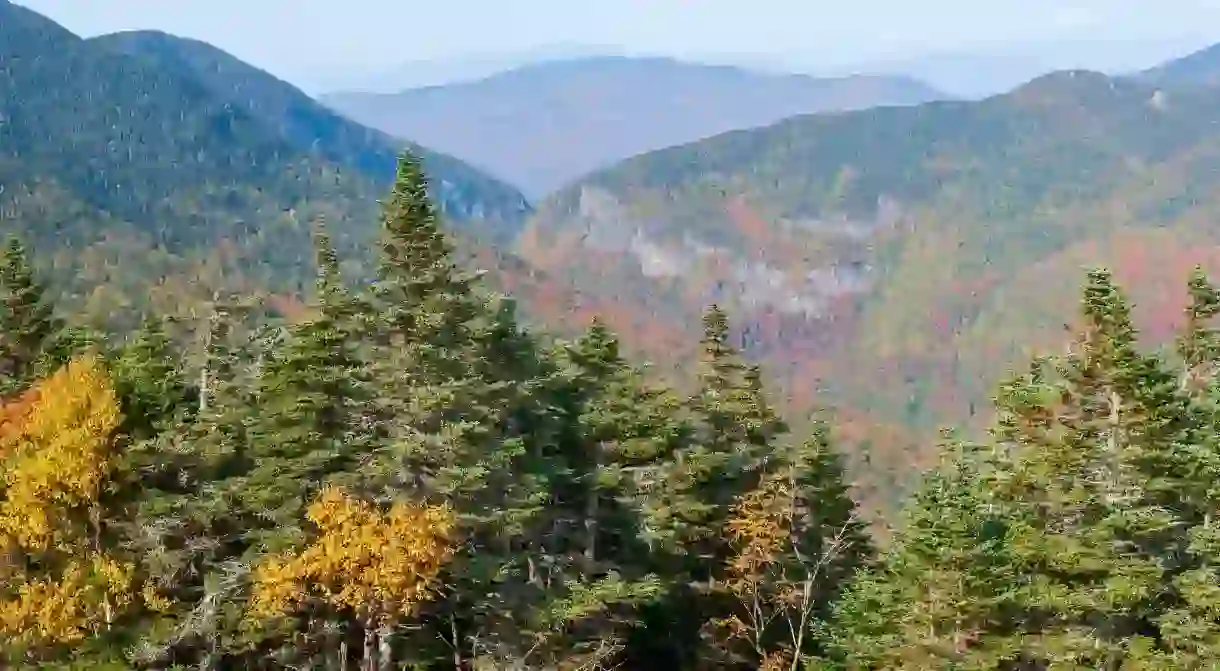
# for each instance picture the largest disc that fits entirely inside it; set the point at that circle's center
(462, 68)
(542, 126)
(1201, 67)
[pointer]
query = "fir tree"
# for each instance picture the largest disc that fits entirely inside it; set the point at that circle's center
(149, 379)
(796, 544)
(735, 433)
(461, 403)
(312, 388)
(1081, 481)
(932, 601)
(27, 322)
(734, 436)
(616, 434)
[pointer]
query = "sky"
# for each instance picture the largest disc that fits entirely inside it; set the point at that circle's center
(318, 40)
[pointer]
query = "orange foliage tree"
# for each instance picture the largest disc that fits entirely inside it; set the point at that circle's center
(379, 566)
(796, 541)
(58, 585)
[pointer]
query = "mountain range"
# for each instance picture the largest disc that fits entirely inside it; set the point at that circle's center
(895, 258)
(543, 125)
(890, 262)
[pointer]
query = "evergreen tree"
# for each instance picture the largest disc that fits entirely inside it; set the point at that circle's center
(932, 601)
(309, 428)
(1189, 632)
(734, 437)
(735, 434)
(460, 402)
(1081, 479)
(149, 379)
(617, 433)
(27, 322)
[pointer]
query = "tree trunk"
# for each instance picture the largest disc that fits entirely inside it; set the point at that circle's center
(368, 661)
(456, 642)
(385, 643)
(592, 502)
(209, 343)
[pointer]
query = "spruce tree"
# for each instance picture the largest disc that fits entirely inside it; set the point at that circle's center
(28, 326)
(797, 542)
(1080, 492)
(149, 379)
(1189, 632)
(308, 429)
(933, 599)
(616, 434)
(461, 402)
(735, 434)
(734, 438)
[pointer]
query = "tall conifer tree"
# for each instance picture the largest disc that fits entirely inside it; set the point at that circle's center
(28, 326)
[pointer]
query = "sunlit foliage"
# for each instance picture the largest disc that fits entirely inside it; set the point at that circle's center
(61, 586)
(381, 566)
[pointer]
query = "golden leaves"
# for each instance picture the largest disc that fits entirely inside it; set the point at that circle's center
(56, 447)
(760, 530)
(57, 454)
(379, 565)
(87, 597)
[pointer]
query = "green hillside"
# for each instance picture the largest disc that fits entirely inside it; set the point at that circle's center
(462, 192)
(891, 259)
(112, 159)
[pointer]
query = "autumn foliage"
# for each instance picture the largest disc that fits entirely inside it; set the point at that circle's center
(61, 586)
(380, 566)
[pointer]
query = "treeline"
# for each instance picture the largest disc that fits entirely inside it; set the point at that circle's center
(407, 479)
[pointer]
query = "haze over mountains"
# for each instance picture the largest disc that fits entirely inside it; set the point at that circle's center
(992, 69)
(541, 126)
(967, 72)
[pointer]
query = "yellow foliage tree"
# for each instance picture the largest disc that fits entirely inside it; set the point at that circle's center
(57, 454)
(378, 566)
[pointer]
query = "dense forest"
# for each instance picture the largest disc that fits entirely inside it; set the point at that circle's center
(405, 477)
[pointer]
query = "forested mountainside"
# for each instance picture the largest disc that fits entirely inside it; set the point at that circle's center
(542, 126)
(109, 158)
(462, 192)
(897, 259)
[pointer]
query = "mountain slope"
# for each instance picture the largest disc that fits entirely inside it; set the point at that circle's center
(140, 182)
(544, 125)
(893, 259)
(462, 192)
(1201, 67)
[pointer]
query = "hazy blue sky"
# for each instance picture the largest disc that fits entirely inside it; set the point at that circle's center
(306, 40)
